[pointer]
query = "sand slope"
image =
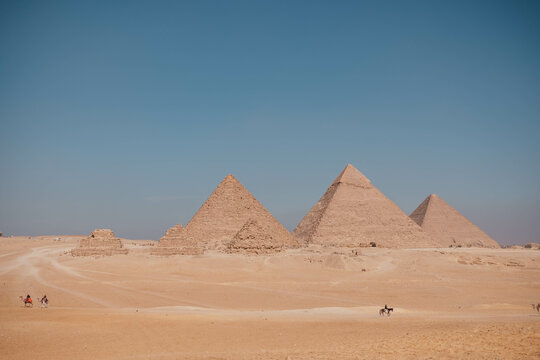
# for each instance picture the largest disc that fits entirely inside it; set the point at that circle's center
(314, 303)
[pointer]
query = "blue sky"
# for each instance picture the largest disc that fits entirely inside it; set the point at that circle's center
(128, 114)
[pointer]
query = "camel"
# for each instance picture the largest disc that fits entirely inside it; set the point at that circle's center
(27, 302)
(536, 307)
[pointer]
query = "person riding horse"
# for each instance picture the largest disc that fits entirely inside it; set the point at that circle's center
(44, 301)
(386, 310)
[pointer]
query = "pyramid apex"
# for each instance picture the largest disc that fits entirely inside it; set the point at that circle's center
(351, 175)
(230, 177)
(434, 198)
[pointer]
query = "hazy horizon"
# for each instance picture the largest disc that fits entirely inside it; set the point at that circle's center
(127, 115)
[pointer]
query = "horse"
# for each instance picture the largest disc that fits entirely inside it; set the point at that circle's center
(386, 311)
(44, 302)
(27, 302)
(536, 307)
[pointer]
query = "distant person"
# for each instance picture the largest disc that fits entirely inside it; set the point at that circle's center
(27, 301)
(44, 301)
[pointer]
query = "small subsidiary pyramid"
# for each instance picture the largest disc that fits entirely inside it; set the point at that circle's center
(353, 212)
(100, 242)
(175, 243)
(224, 213)
(253, 239)
(447, 226)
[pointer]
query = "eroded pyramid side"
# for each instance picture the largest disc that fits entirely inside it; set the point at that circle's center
(306, 230)
(419, 214)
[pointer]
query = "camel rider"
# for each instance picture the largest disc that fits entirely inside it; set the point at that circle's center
(28, 298)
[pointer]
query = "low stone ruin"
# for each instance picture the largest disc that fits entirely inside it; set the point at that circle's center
(253, 239)
(100, 242)
(177, 242)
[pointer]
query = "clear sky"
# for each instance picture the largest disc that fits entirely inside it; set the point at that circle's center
(127, 114)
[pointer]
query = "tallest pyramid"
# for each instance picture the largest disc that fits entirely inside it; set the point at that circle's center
(353, 212)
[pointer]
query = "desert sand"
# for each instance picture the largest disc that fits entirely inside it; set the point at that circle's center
(307, 303)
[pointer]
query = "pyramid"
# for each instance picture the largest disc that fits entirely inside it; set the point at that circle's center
(353, 212)
(253, 239)
(175, 243)
(100, 242)
(226, 211)
(447, 226)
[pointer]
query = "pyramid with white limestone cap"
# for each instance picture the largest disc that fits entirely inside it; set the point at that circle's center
(447, 226)
(353, 212)
(226, 211)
